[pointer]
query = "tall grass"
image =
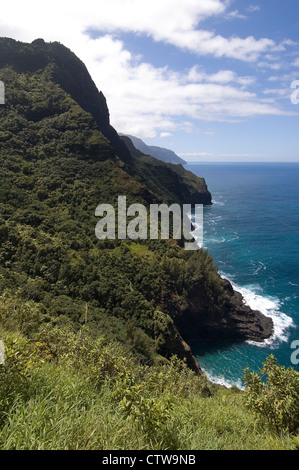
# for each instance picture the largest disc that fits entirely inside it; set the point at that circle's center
(111, 405)
(65, 412)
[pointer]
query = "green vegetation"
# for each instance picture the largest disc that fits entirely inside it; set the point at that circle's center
(273, 395)
(56, 167)
(65, 390)
(93, 354)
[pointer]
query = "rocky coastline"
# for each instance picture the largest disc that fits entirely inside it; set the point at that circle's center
(234, 322)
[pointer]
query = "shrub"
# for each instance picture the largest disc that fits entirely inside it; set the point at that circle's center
(21, 357)
(149, 412)
(18, 315)
(273, 395)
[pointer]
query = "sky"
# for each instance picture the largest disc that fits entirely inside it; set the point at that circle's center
(212, 80)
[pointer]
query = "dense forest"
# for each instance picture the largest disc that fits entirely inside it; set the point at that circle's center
(93, 329)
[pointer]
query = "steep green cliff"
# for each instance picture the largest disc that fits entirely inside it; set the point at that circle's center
(59, 159)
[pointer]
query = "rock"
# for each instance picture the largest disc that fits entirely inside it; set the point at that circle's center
(184, 351)
(235, 321)
(175, 346)
(242, 321)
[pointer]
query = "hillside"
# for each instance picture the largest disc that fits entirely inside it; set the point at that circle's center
(163, 154)
(98, 331)
(57, 166)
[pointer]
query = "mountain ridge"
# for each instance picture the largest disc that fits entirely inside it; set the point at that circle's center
(59, 160)
(161, 153)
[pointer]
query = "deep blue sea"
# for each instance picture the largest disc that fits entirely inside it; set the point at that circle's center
(252, 232)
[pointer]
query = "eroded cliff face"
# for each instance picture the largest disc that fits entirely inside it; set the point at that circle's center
(233, 321)
(241, 321)
(229, 321)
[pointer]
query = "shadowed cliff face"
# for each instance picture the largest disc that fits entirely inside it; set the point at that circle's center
(68, 71)
(234, 321)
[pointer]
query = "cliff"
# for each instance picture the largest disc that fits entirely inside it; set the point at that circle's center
(67, 71)
(60, 158)
(166, 155)
(234, 321)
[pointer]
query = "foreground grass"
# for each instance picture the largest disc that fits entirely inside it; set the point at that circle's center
(64, 412)
(63, 408)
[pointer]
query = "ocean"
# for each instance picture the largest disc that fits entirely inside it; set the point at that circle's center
(252, 232)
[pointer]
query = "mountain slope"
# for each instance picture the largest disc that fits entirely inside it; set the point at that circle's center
(63, 68)
(166, 155)
(59, 159)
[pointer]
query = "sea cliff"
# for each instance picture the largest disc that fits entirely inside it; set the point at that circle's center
(234, 320)
(60, 158)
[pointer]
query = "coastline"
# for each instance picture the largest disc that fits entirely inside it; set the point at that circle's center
(269, 307)
(251, 232)
(236, 322)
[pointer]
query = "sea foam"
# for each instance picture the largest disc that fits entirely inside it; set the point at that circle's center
(222, 380)
(268, 306)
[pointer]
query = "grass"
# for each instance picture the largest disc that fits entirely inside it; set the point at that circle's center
(142, 251)
(63, 409)
(65, 412)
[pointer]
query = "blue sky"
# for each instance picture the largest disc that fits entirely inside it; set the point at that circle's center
(210, 79)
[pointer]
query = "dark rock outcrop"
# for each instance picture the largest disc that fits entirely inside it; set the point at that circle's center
(235, 321)
(241, 321)
(176, 346)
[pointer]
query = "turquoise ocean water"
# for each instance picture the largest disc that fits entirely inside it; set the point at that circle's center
(252, 232)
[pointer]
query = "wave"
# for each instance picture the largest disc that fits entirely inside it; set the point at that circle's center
(258, 267)
(222, 380)
(219, 203)
(217, 240)
(221, 239)
(213, 220)
(268, 306)
(218, 200)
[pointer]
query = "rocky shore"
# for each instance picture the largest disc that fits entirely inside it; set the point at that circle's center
(236, 321)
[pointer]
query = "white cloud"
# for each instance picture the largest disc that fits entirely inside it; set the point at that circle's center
(278, 92)
(152, 99)
(222, 76)
(145, 100)
(171, 21)
(235, 14)
(270, 65)
(253, 8)
(204, 43)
